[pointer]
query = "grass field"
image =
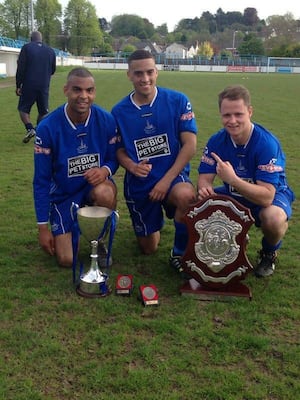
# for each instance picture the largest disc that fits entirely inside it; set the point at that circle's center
(56, 345)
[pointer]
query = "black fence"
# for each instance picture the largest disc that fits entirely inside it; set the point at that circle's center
(172, 64)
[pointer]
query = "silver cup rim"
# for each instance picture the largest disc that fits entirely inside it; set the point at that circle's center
(94, 212)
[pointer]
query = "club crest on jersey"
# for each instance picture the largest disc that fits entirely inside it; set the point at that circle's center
(82, 148)
(149, 128)
(241, 168)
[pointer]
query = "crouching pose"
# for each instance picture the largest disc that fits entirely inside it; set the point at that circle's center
(158, 139)
(74, 160)
(250, 162)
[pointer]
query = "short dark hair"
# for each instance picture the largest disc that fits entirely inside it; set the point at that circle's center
(36, 36)
(80, 72)
(140, 55)
(235, 92)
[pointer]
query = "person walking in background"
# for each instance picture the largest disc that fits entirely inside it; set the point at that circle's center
(249, 160)
(36, 65)
(157, 131)
(74, 160)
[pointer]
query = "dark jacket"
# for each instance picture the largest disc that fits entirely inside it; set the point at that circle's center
(36, 64)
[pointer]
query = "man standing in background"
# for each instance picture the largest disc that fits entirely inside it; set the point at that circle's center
(36, 65)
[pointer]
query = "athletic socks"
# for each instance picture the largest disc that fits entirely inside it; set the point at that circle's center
(267, 248)
(29, 126)
(180, 239)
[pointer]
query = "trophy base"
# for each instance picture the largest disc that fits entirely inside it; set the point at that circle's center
(192, 287)
(93, 290)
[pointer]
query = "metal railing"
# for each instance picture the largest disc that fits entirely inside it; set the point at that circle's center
(18, 44)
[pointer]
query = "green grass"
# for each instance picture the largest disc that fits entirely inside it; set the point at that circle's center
(57, 345)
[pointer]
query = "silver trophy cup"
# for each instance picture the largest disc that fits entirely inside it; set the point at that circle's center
(94, 224)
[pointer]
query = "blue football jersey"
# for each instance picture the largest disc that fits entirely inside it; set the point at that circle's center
(260, 159)
(152, 132)
(63, 152)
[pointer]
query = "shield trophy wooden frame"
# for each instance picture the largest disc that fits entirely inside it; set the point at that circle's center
(215, 257)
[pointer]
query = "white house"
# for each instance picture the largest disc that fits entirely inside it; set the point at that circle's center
(193, 51)
(176, 51)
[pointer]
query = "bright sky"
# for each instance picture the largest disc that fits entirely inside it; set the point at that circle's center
(161, 11)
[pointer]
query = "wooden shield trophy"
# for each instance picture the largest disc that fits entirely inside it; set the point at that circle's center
(215, 257)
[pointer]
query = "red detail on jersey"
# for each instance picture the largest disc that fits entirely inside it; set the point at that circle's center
(187, 116)
(270, 168)
(207, 160)
(41, 150)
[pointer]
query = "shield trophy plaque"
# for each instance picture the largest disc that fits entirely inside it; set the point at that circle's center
(93, 224)
(215, 257)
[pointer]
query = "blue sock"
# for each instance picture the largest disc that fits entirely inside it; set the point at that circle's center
(180, 239)
(267, 248)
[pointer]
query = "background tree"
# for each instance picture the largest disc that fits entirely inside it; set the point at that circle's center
(209, 22)
(48, 14)
(221, 20)
(234, 17)
(250, 16)
(157, 38)
(251, 45)
(15, 19)
(82, 26)
(82, 35)
(128, 49)
(131, 25)
(282, 24)
(188, 24)
(280, 32)
(206, 50)
(293, 50)
(170, 38)
(162, 29)
(105, 48)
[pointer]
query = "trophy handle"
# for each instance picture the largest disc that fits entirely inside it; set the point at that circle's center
(75, 237)
(73, 210)
(109, 226)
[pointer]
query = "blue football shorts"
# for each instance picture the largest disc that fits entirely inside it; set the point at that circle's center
(148, 216)
(282, 199)
(63, 214)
